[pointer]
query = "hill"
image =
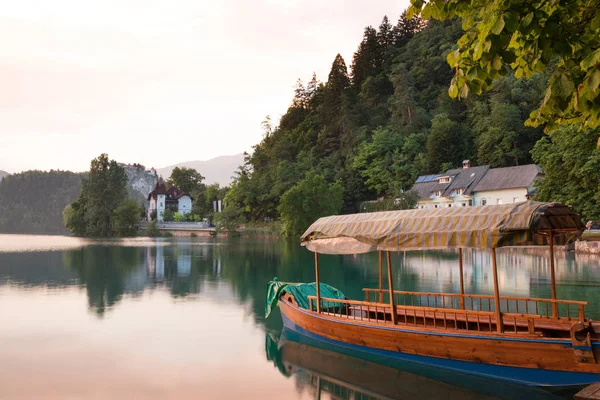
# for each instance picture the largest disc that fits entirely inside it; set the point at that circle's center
(3, 174)
(376, 124)
(33, 201)
(218, 169)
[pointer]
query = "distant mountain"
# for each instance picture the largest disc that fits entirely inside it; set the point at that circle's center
(219, 169)
(3, 174)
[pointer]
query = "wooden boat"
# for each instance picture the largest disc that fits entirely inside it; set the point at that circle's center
(533, 341)
(346, 374)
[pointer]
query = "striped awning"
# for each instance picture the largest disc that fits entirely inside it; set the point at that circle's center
(521, 224)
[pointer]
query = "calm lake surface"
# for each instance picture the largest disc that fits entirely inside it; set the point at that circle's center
(184, 318)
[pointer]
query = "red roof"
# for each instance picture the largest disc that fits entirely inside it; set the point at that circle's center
(172, 193)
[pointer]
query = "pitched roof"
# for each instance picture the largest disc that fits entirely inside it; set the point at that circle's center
(172, 193)
(425, 184)
(465, 178)
(461, 178)
(521, 176)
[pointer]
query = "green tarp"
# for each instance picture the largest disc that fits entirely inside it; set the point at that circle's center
(300, 291)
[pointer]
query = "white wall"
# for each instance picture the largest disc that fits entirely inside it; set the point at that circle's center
(161, 204)
(184, 205)
(506, 195)
(444, 202)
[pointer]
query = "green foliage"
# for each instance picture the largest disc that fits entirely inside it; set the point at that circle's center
(152, 229)
(186, 179)
(102, 192)
(310, 199)
(73, 218)
(404, 201)
(168, 215)
(529, 36)
(125, 218)
(203, 203)
(228, 219)
(178, 217)
(376, 127)
(379, 161)
(571, 165)
(33, 201)
(448, 140)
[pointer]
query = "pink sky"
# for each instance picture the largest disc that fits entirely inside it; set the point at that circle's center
(160, 82)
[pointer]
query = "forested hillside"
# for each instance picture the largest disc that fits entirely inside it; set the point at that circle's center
(376, 124)
(33, 201)
(3, 174)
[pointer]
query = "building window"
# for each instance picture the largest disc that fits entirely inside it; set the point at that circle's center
(160, 205)
(460, 191)
(444, 179)
(483, 202)
(435, 206)
(449, 205)
(498, 201)
(515, 199)
(464, 204)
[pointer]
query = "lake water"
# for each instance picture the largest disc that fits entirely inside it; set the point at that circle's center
(184, 318)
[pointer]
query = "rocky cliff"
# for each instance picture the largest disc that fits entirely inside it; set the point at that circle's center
(141, 181)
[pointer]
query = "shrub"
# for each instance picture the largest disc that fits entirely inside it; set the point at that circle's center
(152, 230)
(168, 215)
(178, 217)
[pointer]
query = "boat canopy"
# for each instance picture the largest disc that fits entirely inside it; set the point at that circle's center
(527, 223)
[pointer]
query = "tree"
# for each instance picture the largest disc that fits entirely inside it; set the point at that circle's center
(125, 218)
(530, 36)
(448, 142)
(102, 192)
(570, 163)
(186, 179)
(73, 218)
(378, 161)
(308, 200)
(229, 219)
(33, 201)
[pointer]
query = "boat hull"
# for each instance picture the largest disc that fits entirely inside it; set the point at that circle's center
(523, 361)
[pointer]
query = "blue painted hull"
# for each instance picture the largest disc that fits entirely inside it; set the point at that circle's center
(523, 376)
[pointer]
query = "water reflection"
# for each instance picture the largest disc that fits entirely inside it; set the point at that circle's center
(196, 306)
(320, 369)
(108, 271)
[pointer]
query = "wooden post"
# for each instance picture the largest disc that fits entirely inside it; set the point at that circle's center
(391, 289)
(380, 276)
(317, 282)
(499, 321)
(462, 284)
(553, 276)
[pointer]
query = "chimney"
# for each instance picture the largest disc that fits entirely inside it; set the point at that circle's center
(466, 164)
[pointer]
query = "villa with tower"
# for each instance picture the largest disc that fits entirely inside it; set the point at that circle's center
(172, 198)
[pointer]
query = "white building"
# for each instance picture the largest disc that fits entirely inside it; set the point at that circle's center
(172, 198)
(454, 188)
(476, 186)
(506, 185)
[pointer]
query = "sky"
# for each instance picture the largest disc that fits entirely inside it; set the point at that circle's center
(160, 82)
